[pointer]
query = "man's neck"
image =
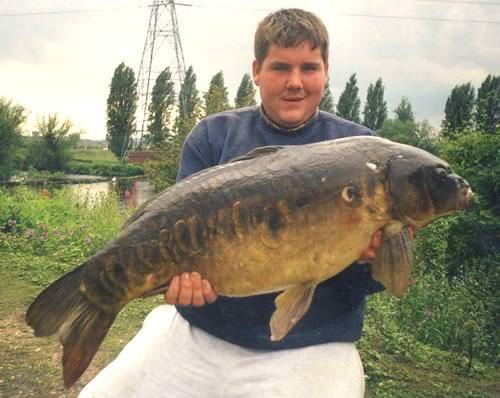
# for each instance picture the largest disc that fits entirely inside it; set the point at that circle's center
(286, 129)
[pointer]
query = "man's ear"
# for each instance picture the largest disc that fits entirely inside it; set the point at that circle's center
(256, 72)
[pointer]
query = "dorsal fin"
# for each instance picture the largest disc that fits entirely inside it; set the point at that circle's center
(258, 152)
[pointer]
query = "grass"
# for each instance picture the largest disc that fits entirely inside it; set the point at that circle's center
(94, 155)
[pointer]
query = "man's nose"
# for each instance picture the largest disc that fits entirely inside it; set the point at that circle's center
(294, 81)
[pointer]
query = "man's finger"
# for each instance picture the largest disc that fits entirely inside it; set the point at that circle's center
(377, 239)
(173, 291)
(186, 290)
(198, 299)
(208, 293)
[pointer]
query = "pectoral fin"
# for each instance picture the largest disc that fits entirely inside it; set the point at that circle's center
(291, 305)
(392, 265)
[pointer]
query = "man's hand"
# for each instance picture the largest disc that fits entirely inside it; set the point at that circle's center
(368, 255)
(190, 289)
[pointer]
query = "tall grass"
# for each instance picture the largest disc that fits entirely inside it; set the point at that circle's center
(47, 234)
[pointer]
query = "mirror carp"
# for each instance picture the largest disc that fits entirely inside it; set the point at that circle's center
(278, 219)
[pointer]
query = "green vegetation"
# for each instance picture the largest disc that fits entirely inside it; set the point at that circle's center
(11, 118)
(121, 107)
(50, 147)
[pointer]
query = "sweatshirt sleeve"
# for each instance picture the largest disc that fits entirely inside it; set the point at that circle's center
(196, 153)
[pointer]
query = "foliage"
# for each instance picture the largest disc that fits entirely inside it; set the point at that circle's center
(50, 149)
(245, 96)
(162, 171)
(54, 229)
(160, 108)
(411, 133)
(216, 98)
(349, 103)
(121, 107)
(404, 111)
(11, 118)
(488, 105)
(375, 111)
(458, 110)
(326, 103)
(189, 111)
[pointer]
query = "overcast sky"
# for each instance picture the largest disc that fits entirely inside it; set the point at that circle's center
(59, 56)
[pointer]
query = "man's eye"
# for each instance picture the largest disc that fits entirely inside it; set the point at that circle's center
(310, 67)
(280, 67)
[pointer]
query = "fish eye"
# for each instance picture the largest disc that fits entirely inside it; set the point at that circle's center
(348, 194)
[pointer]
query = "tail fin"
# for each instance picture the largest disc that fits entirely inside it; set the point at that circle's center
(80, 324)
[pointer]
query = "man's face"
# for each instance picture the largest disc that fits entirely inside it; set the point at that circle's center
(291, 82)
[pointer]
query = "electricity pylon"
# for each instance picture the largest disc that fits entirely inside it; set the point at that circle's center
(162, 49)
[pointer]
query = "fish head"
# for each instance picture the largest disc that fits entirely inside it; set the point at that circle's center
(423, 187)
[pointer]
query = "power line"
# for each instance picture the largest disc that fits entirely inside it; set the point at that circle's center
(430, 19)
(376, 16)
(473, 3)
(62, 12)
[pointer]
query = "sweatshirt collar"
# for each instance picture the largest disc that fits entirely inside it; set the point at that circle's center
(284, 129)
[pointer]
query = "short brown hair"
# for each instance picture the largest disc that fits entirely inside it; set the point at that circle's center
(290, 27)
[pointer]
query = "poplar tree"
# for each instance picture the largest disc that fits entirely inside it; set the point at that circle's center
(459, 110)
(189, 111)
(488, 105)
(375, 111)
(121, 108)
(160, 108)
(326, 103)
(404, 111)
(348, 106)
(216, 98)
(245, 96)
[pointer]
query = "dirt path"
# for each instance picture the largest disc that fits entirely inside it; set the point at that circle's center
(30, 366)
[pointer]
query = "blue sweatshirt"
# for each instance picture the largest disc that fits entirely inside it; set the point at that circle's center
(337, 308)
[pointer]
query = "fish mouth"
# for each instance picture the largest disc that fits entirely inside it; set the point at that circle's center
(465, 198)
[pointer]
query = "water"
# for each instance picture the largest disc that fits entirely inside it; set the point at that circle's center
(131, 193)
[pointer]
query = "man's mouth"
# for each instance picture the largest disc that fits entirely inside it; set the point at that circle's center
(293, 99)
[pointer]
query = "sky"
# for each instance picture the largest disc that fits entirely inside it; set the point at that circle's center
(58, 56)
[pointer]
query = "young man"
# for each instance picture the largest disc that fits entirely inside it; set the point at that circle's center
(219, 346)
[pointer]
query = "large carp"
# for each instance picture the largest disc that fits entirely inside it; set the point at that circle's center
(276, 219)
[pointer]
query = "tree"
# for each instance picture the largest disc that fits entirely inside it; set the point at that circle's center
(245, 96)
(458, 110)
(216, 98)
(162, 170)
(375, 111)
(11, 118)
(488, 105)
(404, 111)
(50, 149)
(349, 103)
(122, 104)
(189, 110)
(326, 103)
(411, 133)
(160, 108)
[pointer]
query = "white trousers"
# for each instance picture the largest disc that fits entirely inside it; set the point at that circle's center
(170, 358)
